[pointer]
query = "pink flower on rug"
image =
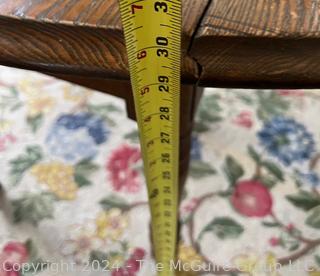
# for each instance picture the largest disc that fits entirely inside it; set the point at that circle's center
(132, 265)
(123, 170)
(252, 199)
(244, 119)
(274, 241)
(290, 227)
(13, 255)
(6, 140)
(190, 205)
(293, 93)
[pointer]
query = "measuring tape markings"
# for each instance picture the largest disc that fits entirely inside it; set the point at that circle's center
(152, 32)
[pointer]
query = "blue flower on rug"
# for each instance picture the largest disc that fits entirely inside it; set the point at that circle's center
(196, 146)
(75, 136)
(287, 140)
(310, 177)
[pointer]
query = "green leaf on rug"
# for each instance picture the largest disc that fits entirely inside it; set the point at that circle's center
(245, 98)
(86, 166)
(99, 257)
(304, 200)
(16, 106)
(35, 122)
(317, 260)
(34, 267)
(185, 220)
(233, 274)
(288, 240)
(226, 193)
(268, 181)
(270, 104)
(297, 181)
(200, 127)
(34, 264)
(81, 180)
(14, 91)
(209, 109)
(199, 169)
(184, 193)
(313, 220)
(23, 162)
(254, 155)
(32, 249)
(271, 224)
(133, 136)
(114, 201)
(208, 113)
(223, 228)
(82, 170)
(233, 170)
(274, 169)
(103, 110)
(124, 247)
(294, 246)
(33, 208)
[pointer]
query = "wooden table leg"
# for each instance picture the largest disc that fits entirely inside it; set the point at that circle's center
(190, 97)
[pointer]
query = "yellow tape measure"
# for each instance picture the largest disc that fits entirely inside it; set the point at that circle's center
(152, 31)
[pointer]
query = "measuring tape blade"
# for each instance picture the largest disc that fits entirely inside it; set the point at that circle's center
(153, 40)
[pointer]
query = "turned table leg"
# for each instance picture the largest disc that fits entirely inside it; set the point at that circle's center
(190, 97)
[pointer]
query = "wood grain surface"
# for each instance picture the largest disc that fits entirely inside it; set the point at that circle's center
(262, 18)
(77, 37)
(260, 43)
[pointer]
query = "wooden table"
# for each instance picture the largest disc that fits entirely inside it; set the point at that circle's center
(226, 43)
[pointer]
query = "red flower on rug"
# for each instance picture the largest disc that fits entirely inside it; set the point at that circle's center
(274, 241)
(13, 255)
(244, 119)
(293, 93)
(132, 265)
(252, 199)
(6, 140)
(122, 166)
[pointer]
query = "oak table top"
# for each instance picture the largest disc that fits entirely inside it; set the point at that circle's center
(230, 43)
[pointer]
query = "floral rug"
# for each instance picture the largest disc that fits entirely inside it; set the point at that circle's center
(74, 198)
